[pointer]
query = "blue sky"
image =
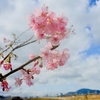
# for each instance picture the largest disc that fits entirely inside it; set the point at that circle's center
(92, 3)
(94, 48)
(78, 73)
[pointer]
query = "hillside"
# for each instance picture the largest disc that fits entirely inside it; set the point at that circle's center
(83, 91)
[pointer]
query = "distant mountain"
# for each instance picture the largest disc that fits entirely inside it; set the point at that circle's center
(84, 91)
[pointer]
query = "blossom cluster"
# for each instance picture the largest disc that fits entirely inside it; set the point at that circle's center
(53, 58)
(28, 75)
(48, 26)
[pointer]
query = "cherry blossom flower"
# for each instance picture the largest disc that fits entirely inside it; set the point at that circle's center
(55, 56)
(55, 40)
(32, 56)
(40, 36)
(62, 21)
(4, 85)
(23, 72)
(51, 66)
(48, 46)
(45, 54)
(63, 57)
(46, 51)
(28, 79)
(18, 81)
(35, 70)
(7, 66)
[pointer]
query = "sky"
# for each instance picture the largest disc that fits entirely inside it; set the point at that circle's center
(82, 70)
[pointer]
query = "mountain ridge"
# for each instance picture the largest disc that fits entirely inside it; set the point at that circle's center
(83, 91)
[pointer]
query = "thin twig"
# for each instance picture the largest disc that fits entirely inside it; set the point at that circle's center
(15, 40)
(22, 33)
(27, 40)
(28, 43)
(19, 46)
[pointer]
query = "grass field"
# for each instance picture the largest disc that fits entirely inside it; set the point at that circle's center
(83, 97)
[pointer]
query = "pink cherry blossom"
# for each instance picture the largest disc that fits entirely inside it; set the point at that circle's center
(7, 66)
(18, 81)
(39, 28)
(55, 56)
(45, 54)
(62, 21)
(51, 66)
(40, 36)
(23, 72)
(31, 56)
(35, 70)
(4, 85)
(51, 24)
(28, 79)
(63, 57)
(55, 40)
(46, 51)
(29, 83)
(48, 26)
(48, 46)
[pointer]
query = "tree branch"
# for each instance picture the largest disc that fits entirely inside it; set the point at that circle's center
(22, 66)
(19, 46)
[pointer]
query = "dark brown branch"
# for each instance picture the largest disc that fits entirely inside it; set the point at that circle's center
(21, 67)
